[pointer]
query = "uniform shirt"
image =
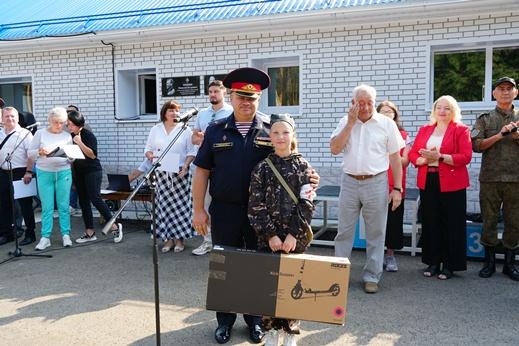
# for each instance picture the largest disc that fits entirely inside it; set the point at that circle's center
(230, 157)
(500, 162)
(19, 156)
(46, 139)
(158, 140)
(207, 115)
(87, 164)
(366, 151)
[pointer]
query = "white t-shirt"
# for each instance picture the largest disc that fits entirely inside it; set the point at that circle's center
(369, 145)
(48, 140)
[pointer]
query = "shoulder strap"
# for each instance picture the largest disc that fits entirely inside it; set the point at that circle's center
(282, 181)
(5, 139)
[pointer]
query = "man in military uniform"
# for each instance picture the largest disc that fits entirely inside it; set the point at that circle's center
(495, 135)
(232, 147)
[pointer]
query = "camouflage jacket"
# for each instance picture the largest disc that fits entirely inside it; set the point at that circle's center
(271, 210)
(500, 162)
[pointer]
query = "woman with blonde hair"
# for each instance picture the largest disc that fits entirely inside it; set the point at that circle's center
(54, 176)
(441, 152)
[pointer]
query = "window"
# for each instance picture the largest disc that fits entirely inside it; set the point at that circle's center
(283, 94)
(17, 92)
(136, 94)
(467, 74)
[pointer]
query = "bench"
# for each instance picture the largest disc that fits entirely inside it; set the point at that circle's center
(330, 193)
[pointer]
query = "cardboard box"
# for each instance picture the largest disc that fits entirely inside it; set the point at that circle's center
(294, 286)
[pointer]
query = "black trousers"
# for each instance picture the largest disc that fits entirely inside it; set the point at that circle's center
(395, 227)
(6, 217)
(230, 226)
(88, 187)
(444, 235)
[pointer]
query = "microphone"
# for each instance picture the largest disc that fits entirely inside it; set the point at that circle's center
(184, 118)
(32, 125)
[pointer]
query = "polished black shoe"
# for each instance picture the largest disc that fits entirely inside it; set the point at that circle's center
(27, 241)
(489, 266)
(256, 334)
(222, 334)
(5, 240)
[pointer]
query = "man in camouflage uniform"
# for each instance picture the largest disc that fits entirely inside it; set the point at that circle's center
(495, 135)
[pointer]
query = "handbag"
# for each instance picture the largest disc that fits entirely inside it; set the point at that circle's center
(301, 245)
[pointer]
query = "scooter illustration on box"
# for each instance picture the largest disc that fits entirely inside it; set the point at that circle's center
(298, 290)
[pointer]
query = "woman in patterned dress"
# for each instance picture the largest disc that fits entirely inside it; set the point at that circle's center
(173, 203)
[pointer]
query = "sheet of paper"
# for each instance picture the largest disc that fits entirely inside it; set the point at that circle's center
(22, 190)
(170, 163)
(73, 151)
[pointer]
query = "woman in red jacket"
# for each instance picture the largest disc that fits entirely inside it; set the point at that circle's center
(441, 151)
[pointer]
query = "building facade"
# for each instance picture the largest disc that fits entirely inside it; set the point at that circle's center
(119, 77)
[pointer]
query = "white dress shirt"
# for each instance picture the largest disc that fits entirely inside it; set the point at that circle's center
(369, 145)
(19, 156)
(158, 140)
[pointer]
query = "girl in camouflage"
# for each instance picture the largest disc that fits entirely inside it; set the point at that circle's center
(274, 215)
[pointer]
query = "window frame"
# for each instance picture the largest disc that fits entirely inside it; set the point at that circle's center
(273, 61)
(462, 46)
(135, 72)
(20, 79)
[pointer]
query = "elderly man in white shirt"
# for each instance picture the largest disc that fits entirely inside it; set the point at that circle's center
(219, 109)
(14, 143)
(370, 143)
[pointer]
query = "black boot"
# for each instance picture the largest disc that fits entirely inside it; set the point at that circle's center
(489, 267)
(509, 268)
(30, 238)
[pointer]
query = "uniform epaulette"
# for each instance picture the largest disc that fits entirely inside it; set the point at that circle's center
(483, 115)
(219, 122)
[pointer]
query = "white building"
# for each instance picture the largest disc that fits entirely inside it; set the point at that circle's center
(111, 58)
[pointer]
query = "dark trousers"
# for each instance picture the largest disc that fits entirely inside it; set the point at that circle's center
(88, 187)
(491, 197)
(6, 217)
(444, 237)
(230, 226)
(395, 227)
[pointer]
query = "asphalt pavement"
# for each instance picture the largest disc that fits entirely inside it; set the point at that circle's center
(103, 294)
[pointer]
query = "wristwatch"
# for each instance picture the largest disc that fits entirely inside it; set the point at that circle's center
(399, 189)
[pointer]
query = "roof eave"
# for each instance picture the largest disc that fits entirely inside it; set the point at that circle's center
(396, 13)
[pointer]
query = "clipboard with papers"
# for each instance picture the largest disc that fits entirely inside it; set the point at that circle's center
(71, 151)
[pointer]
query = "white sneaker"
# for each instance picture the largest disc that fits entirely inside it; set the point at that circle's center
(85, 238)
(118, 235)
(75, 212)
(391, 265)
(204, 248)
(66, 241)
(271, 338)
(289, 340)
(43, 244)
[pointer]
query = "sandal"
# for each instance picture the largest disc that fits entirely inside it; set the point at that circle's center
(168, 245)
(431, 270)
(446, 274)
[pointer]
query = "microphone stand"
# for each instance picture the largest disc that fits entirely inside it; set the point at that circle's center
(17, 250)
(150, 177)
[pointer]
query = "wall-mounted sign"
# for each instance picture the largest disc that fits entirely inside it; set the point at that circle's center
(181, 86)
(210, 78)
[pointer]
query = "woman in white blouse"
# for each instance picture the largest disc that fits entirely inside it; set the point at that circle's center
(54, 176)
(173, 198)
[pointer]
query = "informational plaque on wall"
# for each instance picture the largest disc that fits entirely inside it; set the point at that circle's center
(208, 79)
(181, 86)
